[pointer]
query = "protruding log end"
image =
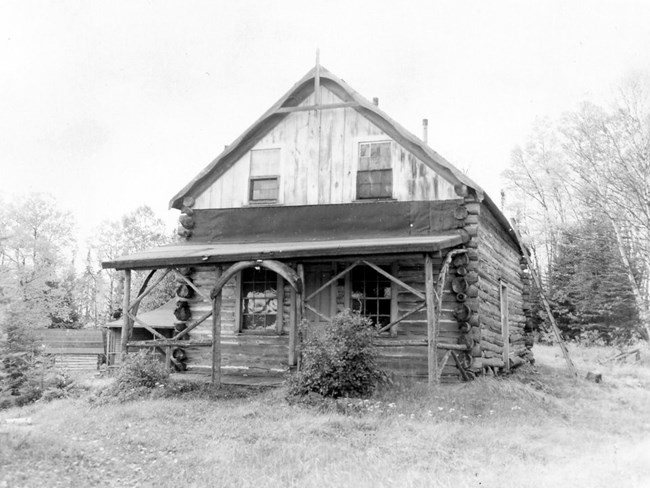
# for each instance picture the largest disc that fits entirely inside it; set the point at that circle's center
(461, 190)
(186, 221)
(183, 232)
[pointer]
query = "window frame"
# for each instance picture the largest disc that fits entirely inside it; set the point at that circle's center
(272, 278)
(380, 139)
(265, 175)
(262, 201)
(389, 300)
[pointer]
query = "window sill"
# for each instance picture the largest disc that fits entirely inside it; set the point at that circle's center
(268, 203)
(374, 200)
(260, 332)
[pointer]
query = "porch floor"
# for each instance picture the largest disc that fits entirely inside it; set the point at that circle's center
(233, 379)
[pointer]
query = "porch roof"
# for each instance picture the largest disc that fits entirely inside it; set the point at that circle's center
(214, 252)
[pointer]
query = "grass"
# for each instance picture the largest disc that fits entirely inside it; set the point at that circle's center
(535, 429)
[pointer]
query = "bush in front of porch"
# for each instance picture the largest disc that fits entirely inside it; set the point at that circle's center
(341, 362)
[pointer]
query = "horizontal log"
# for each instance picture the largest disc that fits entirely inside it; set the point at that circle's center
(471, 219)
(488, 346)
(498, 363)
(516, 361)
(170, 343)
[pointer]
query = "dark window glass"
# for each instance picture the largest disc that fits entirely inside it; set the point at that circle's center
(371, 293)
(375, 176)
(258, 299)
(264, 189)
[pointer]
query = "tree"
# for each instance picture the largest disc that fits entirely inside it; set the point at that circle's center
(34, 252)
(543, 201)
(593, 163)
(610, 159)
(591, 297)
(135, 231)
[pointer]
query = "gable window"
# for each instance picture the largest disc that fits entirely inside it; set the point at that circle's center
(264, 186)
(371, 295)
(259, 303)
(375, 173)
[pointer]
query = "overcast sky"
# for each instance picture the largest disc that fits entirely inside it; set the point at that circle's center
(114, 104)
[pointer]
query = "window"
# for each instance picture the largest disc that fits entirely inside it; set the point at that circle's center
(259, 304)
(375, 174)
(264, 180)
(371, 294)
(264, 189)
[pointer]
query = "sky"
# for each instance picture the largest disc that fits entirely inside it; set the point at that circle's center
(108, 105)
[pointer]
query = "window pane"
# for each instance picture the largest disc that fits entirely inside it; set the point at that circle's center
(380, 157)
(371, 294)
(259, 302)
(374, 156)
(265, 162)
(264, 189)
(375, 184)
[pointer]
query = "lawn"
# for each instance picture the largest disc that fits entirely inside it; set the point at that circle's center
(535, 429)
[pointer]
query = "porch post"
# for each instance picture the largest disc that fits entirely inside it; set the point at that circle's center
(293, 326)
(432, 325)
(216, 336)
(126, 320)
(300, 313)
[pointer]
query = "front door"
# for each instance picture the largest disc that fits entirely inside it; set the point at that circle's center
(315, 277)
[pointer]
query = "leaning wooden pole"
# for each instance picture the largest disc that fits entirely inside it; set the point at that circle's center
(126, 320)
(547, 307)
(432, 324)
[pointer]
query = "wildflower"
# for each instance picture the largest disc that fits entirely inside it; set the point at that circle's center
(430, 413)
(401, 415)
(391, 405)
(452, 410)
(440, 409)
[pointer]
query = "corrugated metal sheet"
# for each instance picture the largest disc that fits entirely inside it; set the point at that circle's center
(206, 253)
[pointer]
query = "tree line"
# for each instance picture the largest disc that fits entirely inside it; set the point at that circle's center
(580, 190)
(46, 283)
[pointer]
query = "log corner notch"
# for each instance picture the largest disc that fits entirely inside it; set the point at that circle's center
(186, 218)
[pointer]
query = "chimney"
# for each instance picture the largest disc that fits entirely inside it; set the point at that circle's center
(425, 130)
(375, 101)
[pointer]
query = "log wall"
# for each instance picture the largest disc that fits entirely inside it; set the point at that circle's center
(499, 264)
(403, 351)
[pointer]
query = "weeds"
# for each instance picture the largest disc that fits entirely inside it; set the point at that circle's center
(536, 430)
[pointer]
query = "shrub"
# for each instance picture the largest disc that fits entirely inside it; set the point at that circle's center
(137, 377)
(142, 369)
(341, 362)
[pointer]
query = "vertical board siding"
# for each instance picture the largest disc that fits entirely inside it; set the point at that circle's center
(499, 262)
(318, 162)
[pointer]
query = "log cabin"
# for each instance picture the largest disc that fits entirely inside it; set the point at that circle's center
(325, 204)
